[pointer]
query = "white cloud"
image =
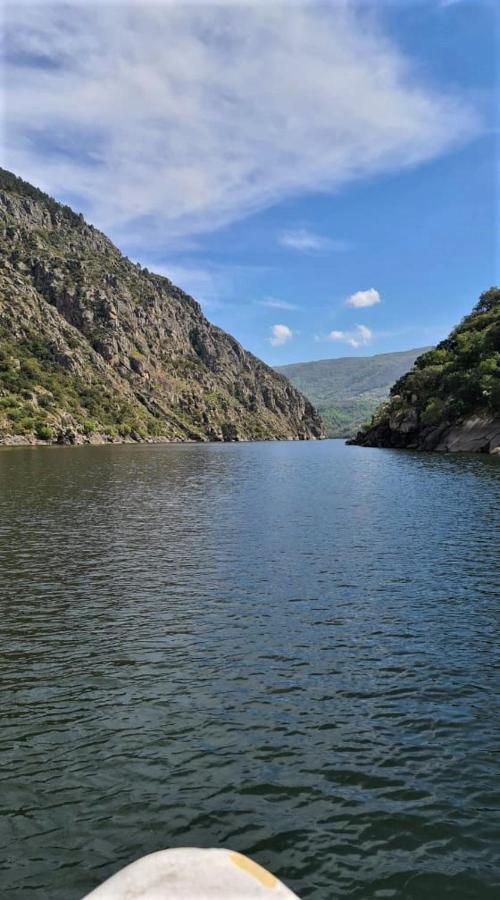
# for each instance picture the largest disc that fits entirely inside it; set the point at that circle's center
(167, 119)
(305, 240)
(360, 336)
(362, 299)
(274, 303)
(280, 334)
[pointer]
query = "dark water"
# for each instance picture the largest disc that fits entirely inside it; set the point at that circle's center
(287, 649)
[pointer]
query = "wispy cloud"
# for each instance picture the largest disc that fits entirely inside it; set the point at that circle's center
(275, 303)
(280, 334)
(306, 241)
(156, 118)
(362, 299)
(359, 336)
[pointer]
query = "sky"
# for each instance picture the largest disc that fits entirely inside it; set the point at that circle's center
(320, 176)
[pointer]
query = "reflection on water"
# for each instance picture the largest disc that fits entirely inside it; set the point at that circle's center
(288, 649)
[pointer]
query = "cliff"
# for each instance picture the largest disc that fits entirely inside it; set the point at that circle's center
(450, 401)
(94, 347)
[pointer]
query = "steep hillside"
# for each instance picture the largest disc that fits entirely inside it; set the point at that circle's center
(451, 398)
(347, 391)
(93, 347)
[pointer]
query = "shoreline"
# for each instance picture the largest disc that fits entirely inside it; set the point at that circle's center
(476, 434)
(20, 441)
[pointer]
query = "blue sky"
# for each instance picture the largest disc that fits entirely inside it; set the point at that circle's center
(320, 177)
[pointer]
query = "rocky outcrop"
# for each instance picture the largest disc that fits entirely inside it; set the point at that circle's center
(95, 347)
(475, 434)
(450, 400)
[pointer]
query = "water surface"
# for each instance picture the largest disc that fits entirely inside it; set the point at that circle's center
(287, 649)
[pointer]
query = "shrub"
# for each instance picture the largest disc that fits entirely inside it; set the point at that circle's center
(434, 412)
(44, 431)
(30, 368)
(15, 413)
(156, 428)
(24, 425)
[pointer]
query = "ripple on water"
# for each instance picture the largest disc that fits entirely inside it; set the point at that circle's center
(288, 649)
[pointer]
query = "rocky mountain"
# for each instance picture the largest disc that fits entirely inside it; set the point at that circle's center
(347, 391)
(94, 347)
(451, 398)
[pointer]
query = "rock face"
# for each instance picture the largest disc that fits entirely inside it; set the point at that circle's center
(93, 347)
(472, 435)
(450, 401)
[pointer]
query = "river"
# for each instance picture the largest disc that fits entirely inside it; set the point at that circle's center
(289, 649)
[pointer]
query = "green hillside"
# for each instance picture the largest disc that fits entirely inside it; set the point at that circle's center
(451, 398)
(347, 391)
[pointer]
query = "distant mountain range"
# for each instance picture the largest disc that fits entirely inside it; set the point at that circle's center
(95, 348)
(347, 391)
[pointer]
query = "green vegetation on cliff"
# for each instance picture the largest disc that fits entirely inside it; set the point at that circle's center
(448, 385)
(347, 391)
(93, 346)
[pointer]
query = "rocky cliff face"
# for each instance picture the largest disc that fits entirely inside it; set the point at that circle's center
(450, 401)
(474, 434)
(93, 347)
